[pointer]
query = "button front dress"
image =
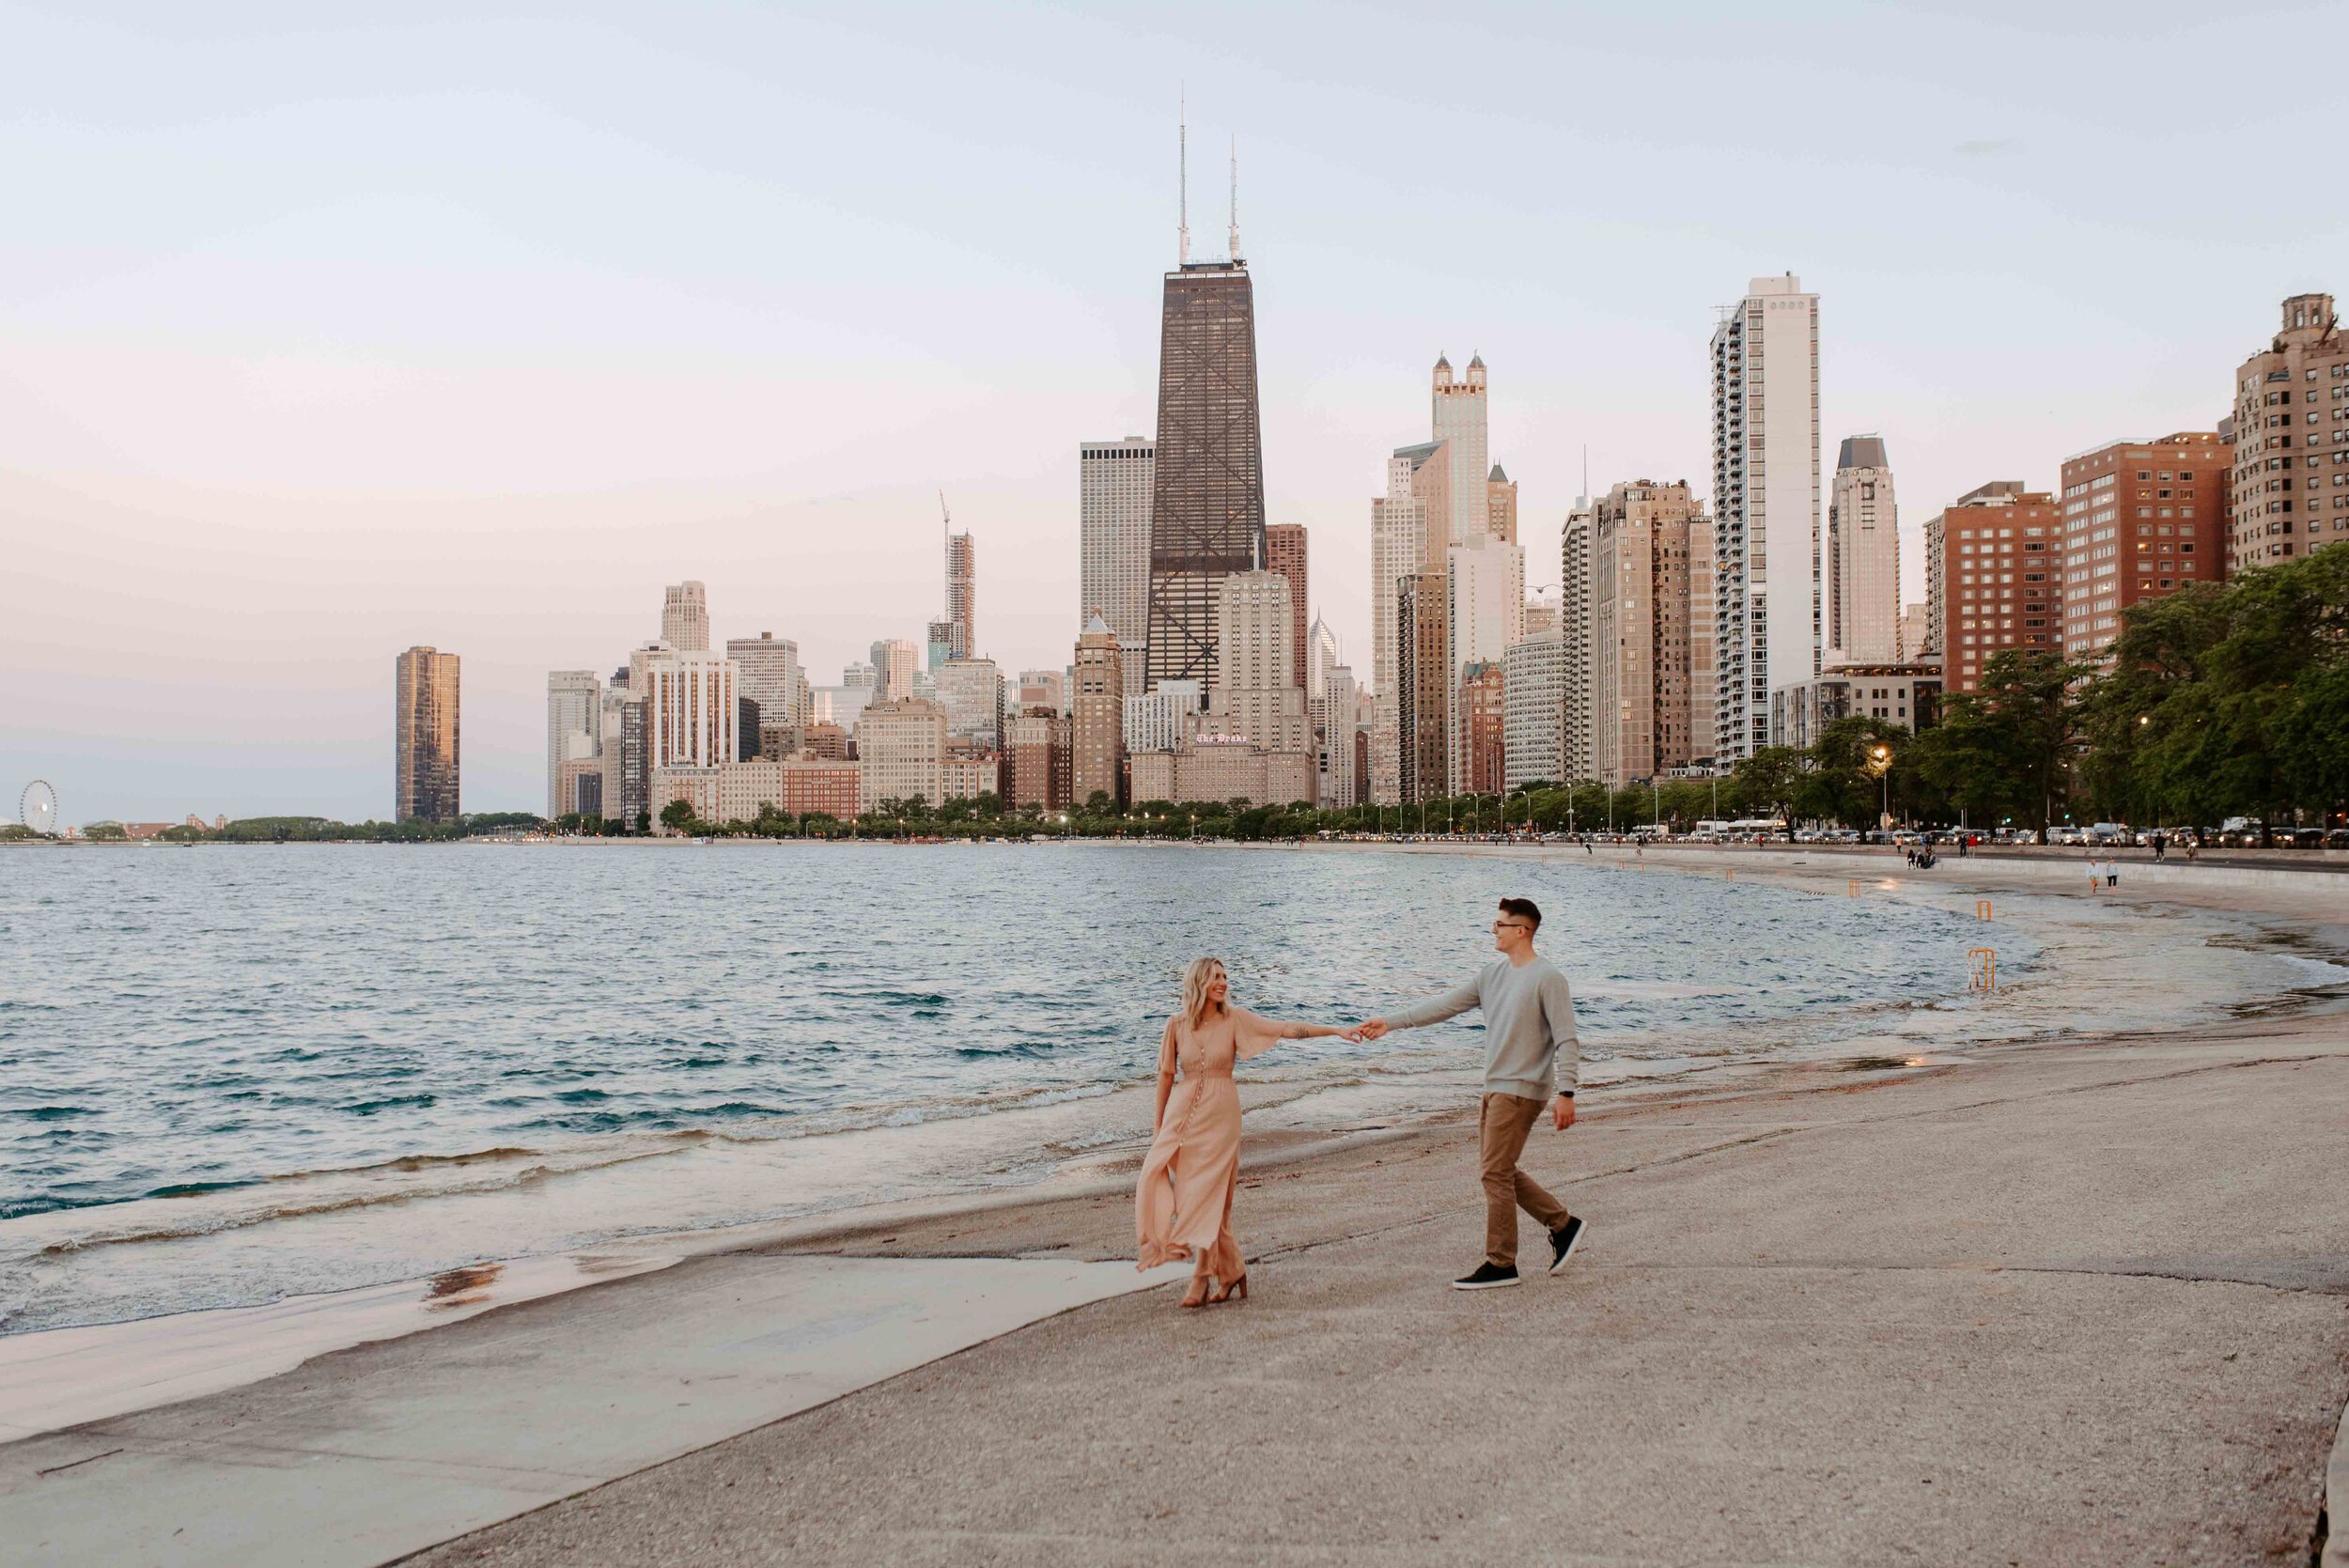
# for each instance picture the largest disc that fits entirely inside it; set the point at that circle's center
(1183, 1203)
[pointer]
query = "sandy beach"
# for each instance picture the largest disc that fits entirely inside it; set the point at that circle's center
(2084, 1299)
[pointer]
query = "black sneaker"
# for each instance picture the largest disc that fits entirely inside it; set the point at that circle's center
(1488, 1276)
(1562, 1241)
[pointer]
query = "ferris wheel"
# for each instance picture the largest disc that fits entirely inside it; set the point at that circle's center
(37, 808)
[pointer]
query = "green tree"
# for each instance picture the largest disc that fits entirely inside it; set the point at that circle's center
(677, 817)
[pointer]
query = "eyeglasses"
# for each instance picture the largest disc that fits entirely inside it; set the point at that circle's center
(1511, 925)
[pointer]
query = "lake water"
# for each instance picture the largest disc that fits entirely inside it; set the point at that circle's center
(228, 1074)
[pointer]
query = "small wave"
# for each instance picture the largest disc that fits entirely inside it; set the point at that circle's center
(396, 1102)
(195, 1189)
(410, 1163)
(51, 1113)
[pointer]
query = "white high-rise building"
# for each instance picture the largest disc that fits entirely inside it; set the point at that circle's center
(1577, 757)
(1398, 547)
(575, 725)
(685, 617)
(1766, 527)
(1321, 656)
(897, 662)
(1458, 421)
(1863, 558)
(1114, 487)
(771, 677)
(690, 716)
(1484, 604)
(1534, 711)
(1256, 695)
(1164, 719)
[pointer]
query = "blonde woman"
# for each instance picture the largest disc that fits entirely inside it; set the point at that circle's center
(1183, 1204)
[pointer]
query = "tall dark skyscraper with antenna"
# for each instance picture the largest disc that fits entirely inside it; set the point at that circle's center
(1206, 512)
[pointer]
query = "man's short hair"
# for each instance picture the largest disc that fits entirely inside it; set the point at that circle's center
(1525, 910)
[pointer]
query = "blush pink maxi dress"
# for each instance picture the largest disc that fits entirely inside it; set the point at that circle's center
(1183, 1203)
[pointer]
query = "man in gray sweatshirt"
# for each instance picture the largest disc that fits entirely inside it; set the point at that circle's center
(1532, 1059)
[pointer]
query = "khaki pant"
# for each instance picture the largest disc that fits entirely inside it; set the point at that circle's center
(1500, 1137)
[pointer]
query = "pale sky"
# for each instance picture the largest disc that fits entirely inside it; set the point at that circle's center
(476, 326)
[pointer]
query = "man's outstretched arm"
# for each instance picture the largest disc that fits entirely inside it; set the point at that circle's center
(1451, 1004)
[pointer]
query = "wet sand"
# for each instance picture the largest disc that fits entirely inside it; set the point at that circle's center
(2083, 1301)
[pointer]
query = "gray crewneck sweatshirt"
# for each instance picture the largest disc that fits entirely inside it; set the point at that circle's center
(1530, 1041)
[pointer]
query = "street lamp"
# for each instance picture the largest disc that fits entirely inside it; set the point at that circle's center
(1880, 764)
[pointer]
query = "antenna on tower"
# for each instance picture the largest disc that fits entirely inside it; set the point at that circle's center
(1234, 199)
(1182, 166)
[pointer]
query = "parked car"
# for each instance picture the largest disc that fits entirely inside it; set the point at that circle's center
(2300, 838)
(2337, 839)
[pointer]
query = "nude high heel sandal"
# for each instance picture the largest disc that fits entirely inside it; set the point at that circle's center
(1237, 1287)
(1197, 1294)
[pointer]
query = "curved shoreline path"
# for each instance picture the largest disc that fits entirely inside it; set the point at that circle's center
(2085, 1301)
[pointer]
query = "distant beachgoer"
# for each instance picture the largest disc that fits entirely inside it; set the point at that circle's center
(2193, 847)
(1965, 841)
(1183, 1203)
(2113, 873)
(2160, 843)
(1532, 1059)
(2095, 874)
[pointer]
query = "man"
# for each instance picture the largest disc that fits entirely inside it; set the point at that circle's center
(1532, 1059)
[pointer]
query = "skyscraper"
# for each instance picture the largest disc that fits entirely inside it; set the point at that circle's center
(1484, 616)
(1995, 587)
(1398, 549)
(1321, 656)
(2290, 479)
(1501, 507)
(1577, 757)
(962, 595)
(1457, 420)
(1255, 694)
(1206, 508)
(1863, 558)
(574, 726)
(1114, 481)
(769, 674)
(685, 617)
(896, 661)
(1534, 692)
(1766, 491)
(1422, 683)
(691, 714)
(425, 771)
(1651, 581)
(1096, 717)
(1284, 552)
(972, 692)
(2141, 520)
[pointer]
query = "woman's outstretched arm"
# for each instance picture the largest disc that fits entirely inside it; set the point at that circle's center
(1261, 1035)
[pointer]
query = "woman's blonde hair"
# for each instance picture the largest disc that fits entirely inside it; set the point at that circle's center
(1195, 977)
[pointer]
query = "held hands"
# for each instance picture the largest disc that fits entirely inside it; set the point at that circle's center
(1562, 1112)
(1370, 1030)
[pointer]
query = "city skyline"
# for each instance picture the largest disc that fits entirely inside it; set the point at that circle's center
(216, 548)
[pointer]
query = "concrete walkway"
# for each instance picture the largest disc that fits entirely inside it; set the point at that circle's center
(375, 1451)
(2062, 1305)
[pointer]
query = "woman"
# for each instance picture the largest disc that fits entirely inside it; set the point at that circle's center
(1183, 1204)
